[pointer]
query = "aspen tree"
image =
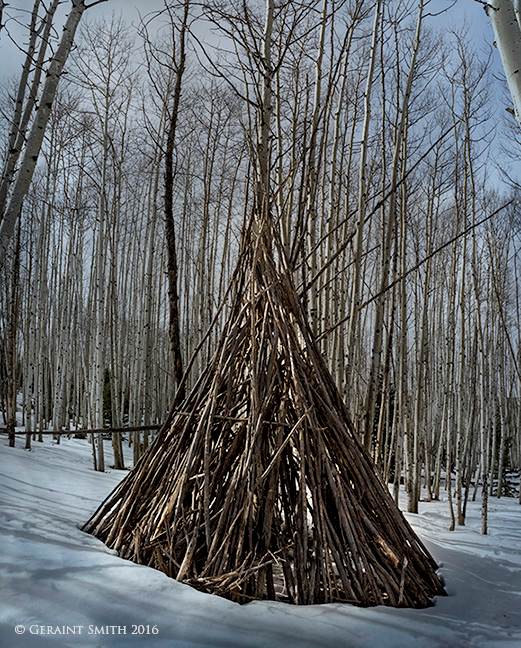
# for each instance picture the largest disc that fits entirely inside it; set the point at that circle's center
(498, 247)
(461, 413)
(26, 96)
(58, 309)
(36, 134)
(470, 86)
(505, 18)
(12, 338)
(421, 386)
(362, 200)
(178, 63)
(310, 209)
(387, 237)
(518, 342)
(337, 166)
(150, 290)
(102, 69)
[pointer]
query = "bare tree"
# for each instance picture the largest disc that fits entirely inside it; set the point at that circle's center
(11, 211)
(178, 65)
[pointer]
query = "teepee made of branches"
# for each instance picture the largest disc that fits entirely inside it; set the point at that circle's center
(259, 488)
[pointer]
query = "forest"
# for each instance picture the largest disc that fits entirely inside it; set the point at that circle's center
(388, 144)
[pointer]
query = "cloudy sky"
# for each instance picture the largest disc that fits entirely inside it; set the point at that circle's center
(449, 14)
(458, 12)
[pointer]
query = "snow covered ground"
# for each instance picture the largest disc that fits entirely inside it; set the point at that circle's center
(61, 587)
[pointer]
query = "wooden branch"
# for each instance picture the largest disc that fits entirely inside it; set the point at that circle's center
(140, 428)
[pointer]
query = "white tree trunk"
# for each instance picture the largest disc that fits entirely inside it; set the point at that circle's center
(36, 135)
(25, 104)
(354, 314)
(507, 31)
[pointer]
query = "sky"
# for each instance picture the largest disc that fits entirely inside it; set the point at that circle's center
(448, 14)
(457, 13)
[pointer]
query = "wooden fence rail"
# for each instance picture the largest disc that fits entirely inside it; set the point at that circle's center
(141, 428)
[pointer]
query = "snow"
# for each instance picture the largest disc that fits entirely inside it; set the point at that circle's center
(57, 581)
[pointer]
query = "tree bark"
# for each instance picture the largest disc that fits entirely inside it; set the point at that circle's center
(505, 21)
(11, 342)
(36, 135)
(174, 329)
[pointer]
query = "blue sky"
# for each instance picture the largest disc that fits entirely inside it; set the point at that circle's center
(458, 13)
